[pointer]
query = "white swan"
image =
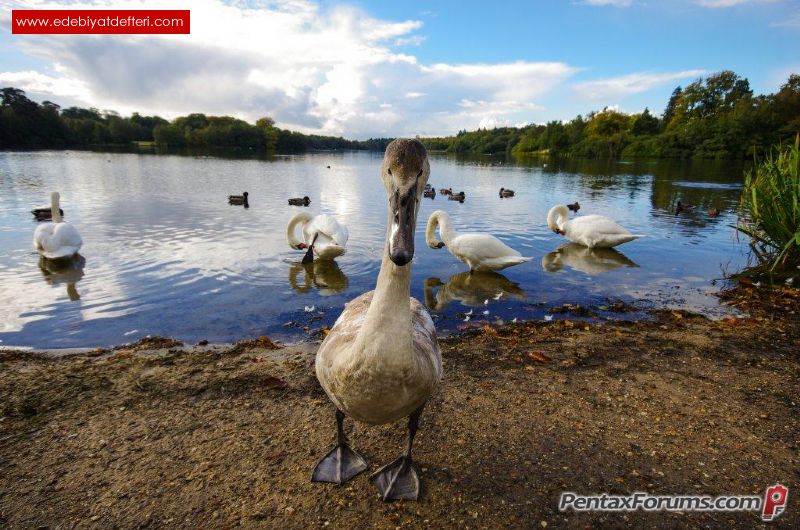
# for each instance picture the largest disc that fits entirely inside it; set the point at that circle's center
(323, 235)
(58, 239)
(481, 252)
(381, 361)
(593, 231)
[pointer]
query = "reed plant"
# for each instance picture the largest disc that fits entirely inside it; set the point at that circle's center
(771, 208)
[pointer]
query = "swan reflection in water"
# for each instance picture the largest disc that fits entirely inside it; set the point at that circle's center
(68, 271)
(470, 289)
(588, 260)
(322, 275)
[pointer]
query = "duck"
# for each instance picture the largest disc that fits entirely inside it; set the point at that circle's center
(428, 187)
(593, 231)
(446, 191)
(460, 196)
(381, 360)
(481, 252)
(239, 199)
(45, 214)
(574, 207)
(680, 208)
(297, 201)
(431, 193)
(504, 193)
(323, 236)
(56, 240)
(713, 212)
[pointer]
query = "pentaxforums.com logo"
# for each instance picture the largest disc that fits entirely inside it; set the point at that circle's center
(771, 505)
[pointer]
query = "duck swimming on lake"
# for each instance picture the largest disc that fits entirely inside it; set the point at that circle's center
(481, 252)
(56, 240)
(446, 191)
(680, 208)
(381, 361)
(713, 212)
(45, 214)
(323, 236)
(297, 201)
(593, 231)
(239, 200)
(460, 196)
(574, 207)
(504, 193)
(431, 193)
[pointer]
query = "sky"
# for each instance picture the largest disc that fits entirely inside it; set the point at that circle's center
(364, 69)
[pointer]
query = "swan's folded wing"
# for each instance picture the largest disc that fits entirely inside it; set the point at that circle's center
(328, 225)
(424, 339)
(481, 247)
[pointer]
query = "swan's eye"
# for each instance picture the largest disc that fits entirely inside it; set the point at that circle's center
(419, 174)
(390, 171)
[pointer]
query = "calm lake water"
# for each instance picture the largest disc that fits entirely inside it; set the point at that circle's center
(164, 254)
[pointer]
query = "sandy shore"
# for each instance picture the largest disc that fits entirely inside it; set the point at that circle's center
(158, 435)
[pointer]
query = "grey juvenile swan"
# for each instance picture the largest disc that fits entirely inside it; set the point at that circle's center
(381, 361)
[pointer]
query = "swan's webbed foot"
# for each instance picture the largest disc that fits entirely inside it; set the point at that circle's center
(397, 480)
(341, 463)
(338, 466)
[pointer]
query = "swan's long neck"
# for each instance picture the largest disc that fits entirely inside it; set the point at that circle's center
(387, 325)
(557, 216)
(55, 208)
(291, 236)
(442, 220)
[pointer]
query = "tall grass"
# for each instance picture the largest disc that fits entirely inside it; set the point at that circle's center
(771, 200)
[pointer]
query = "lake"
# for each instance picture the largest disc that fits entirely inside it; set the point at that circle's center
(164, 254)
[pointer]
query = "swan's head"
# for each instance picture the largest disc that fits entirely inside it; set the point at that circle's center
(404, 172)
(556, 217)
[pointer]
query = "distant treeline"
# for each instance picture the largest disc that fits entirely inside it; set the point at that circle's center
(25, 123)
(716, 117)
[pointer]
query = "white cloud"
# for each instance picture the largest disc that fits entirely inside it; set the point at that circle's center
(332, 71)
(727, 3)
(626, 85)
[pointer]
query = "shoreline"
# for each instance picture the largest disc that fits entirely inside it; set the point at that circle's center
(148, 435)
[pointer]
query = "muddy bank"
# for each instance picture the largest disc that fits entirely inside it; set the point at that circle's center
(152, 436)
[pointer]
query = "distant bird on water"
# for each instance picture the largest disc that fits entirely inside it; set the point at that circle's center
(297, 201)
(505, 193)
(460, 196)
(680, 208)
(574, 207)
(239, 200)
(45, 214)
(714, 212)
(57, 240)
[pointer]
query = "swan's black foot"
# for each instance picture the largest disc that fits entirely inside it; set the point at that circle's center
(340, 465)
(397, 480)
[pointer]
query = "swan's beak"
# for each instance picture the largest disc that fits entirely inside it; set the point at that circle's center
(404, 220)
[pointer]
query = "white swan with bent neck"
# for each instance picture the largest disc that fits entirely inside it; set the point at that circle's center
(593, 231)
(381, 361)
(324, 233)
(481, 252)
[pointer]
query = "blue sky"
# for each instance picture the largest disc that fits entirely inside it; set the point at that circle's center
(361, 68)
